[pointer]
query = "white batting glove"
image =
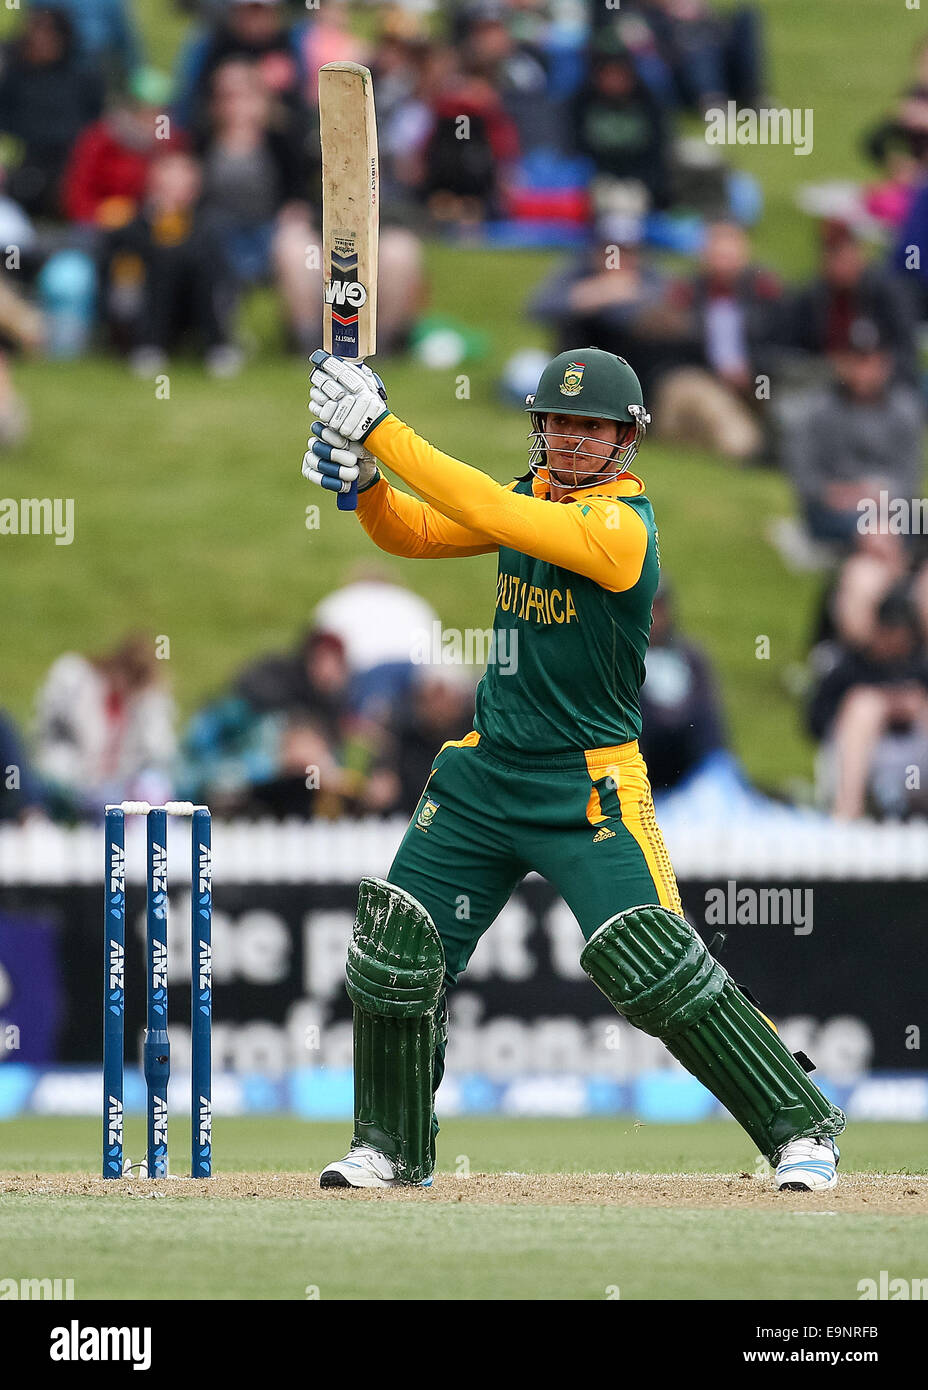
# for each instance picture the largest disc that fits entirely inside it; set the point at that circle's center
(348, 398)
(334, 462)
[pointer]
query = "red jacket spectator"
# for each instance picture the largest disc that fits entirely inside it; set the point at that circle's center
(464, 166)
(105, 178)
(102, 168)
(479, 102)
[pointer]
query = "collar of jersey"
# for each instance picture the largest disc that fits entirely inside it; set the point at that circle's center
(628, 485)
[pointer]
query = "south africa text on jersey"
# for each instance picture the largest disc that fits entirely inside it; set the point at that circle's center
(534, 603)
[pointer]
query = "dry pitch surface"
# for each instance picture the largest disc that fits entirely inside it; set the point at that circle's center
(856, 1192)
(610, 1204)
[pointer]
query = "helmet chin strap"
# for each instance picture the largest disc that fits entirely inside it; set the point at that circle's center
(573, 452)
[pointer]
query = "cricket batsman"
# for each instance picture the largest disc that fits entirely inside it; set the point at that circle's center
(549, 780)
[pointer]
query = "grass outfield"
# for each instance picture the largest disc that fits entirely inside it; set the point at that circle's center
(190, 523)
(190, 512)
(523, 1231)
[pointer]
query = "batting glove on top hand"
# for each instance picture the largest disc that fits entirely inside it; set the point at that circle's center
(334, 462)
(348, 398)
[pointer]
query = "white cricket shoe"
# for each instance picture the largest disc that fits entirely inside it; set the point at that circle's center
(362, 1167)
(808, 1165)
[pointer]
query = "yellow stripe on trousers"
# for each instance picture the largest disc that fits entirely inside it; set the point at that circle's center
(627, 768)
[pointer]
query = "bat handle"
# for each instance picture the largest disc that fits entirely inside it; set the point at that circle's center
(348, 501)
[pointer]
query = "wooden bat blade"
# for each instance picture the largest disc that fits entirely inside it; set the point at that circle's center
(350, 209)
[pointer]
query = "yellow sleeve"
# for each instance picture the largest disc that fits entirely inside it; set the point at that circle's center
(402, 525)
(598, 537)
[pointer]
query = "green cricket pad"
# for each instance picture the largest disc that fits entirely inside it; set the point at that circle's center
(395, 970)
(656, 971)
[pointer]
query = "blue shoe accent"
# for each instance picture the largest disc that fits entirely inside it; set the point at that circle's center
(814, 1172)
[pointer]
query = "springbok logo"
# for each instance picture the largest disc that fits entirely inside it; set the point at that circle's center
(573, 379)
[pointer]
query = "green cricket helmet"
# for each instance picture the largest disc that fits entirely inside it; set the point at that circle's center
(593, 383)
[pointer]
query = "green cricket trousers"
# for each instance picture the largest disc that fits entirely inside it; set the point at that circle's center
(584, 821)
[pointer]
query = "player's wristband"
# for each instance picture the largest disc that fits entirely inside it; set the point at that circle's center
(373, 425)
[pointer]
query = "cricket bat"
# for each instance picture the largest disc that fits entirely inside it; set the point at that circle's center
(350, 217)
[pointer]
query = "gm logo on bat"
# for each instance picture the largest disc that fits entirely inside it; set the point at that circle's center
(350, 292)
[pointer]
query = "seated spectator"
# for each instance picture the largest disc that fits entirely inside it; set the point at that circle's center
(909, 256)
(310, 682)
(255, 184)
(107, 172)
(229, 748)
(284, 742)
(105, 728)
(848, 288)
(48, 94)
(311, 782)
(613, 297)
(439, 707)
(632, 24)
(620, 125)
(727, 315)
(890, 201)
(513, 68)
(329, 40)
(464, 174)
(712, 56)
(879, 563)
(899, 145)
(383, 626)
(870, 711)
(106, 34)
(882, 563)
(252, 31)
(165, 277)
(849, 441)
(682, 725)
(401, 64)
(21, 792)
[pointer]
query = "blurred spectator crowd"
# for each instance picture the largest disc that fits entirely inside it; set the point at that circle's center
(346, 722)
(143, 207)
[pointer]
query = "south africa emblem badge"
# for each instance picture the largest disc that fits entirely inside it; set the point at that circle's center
(573, 379)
